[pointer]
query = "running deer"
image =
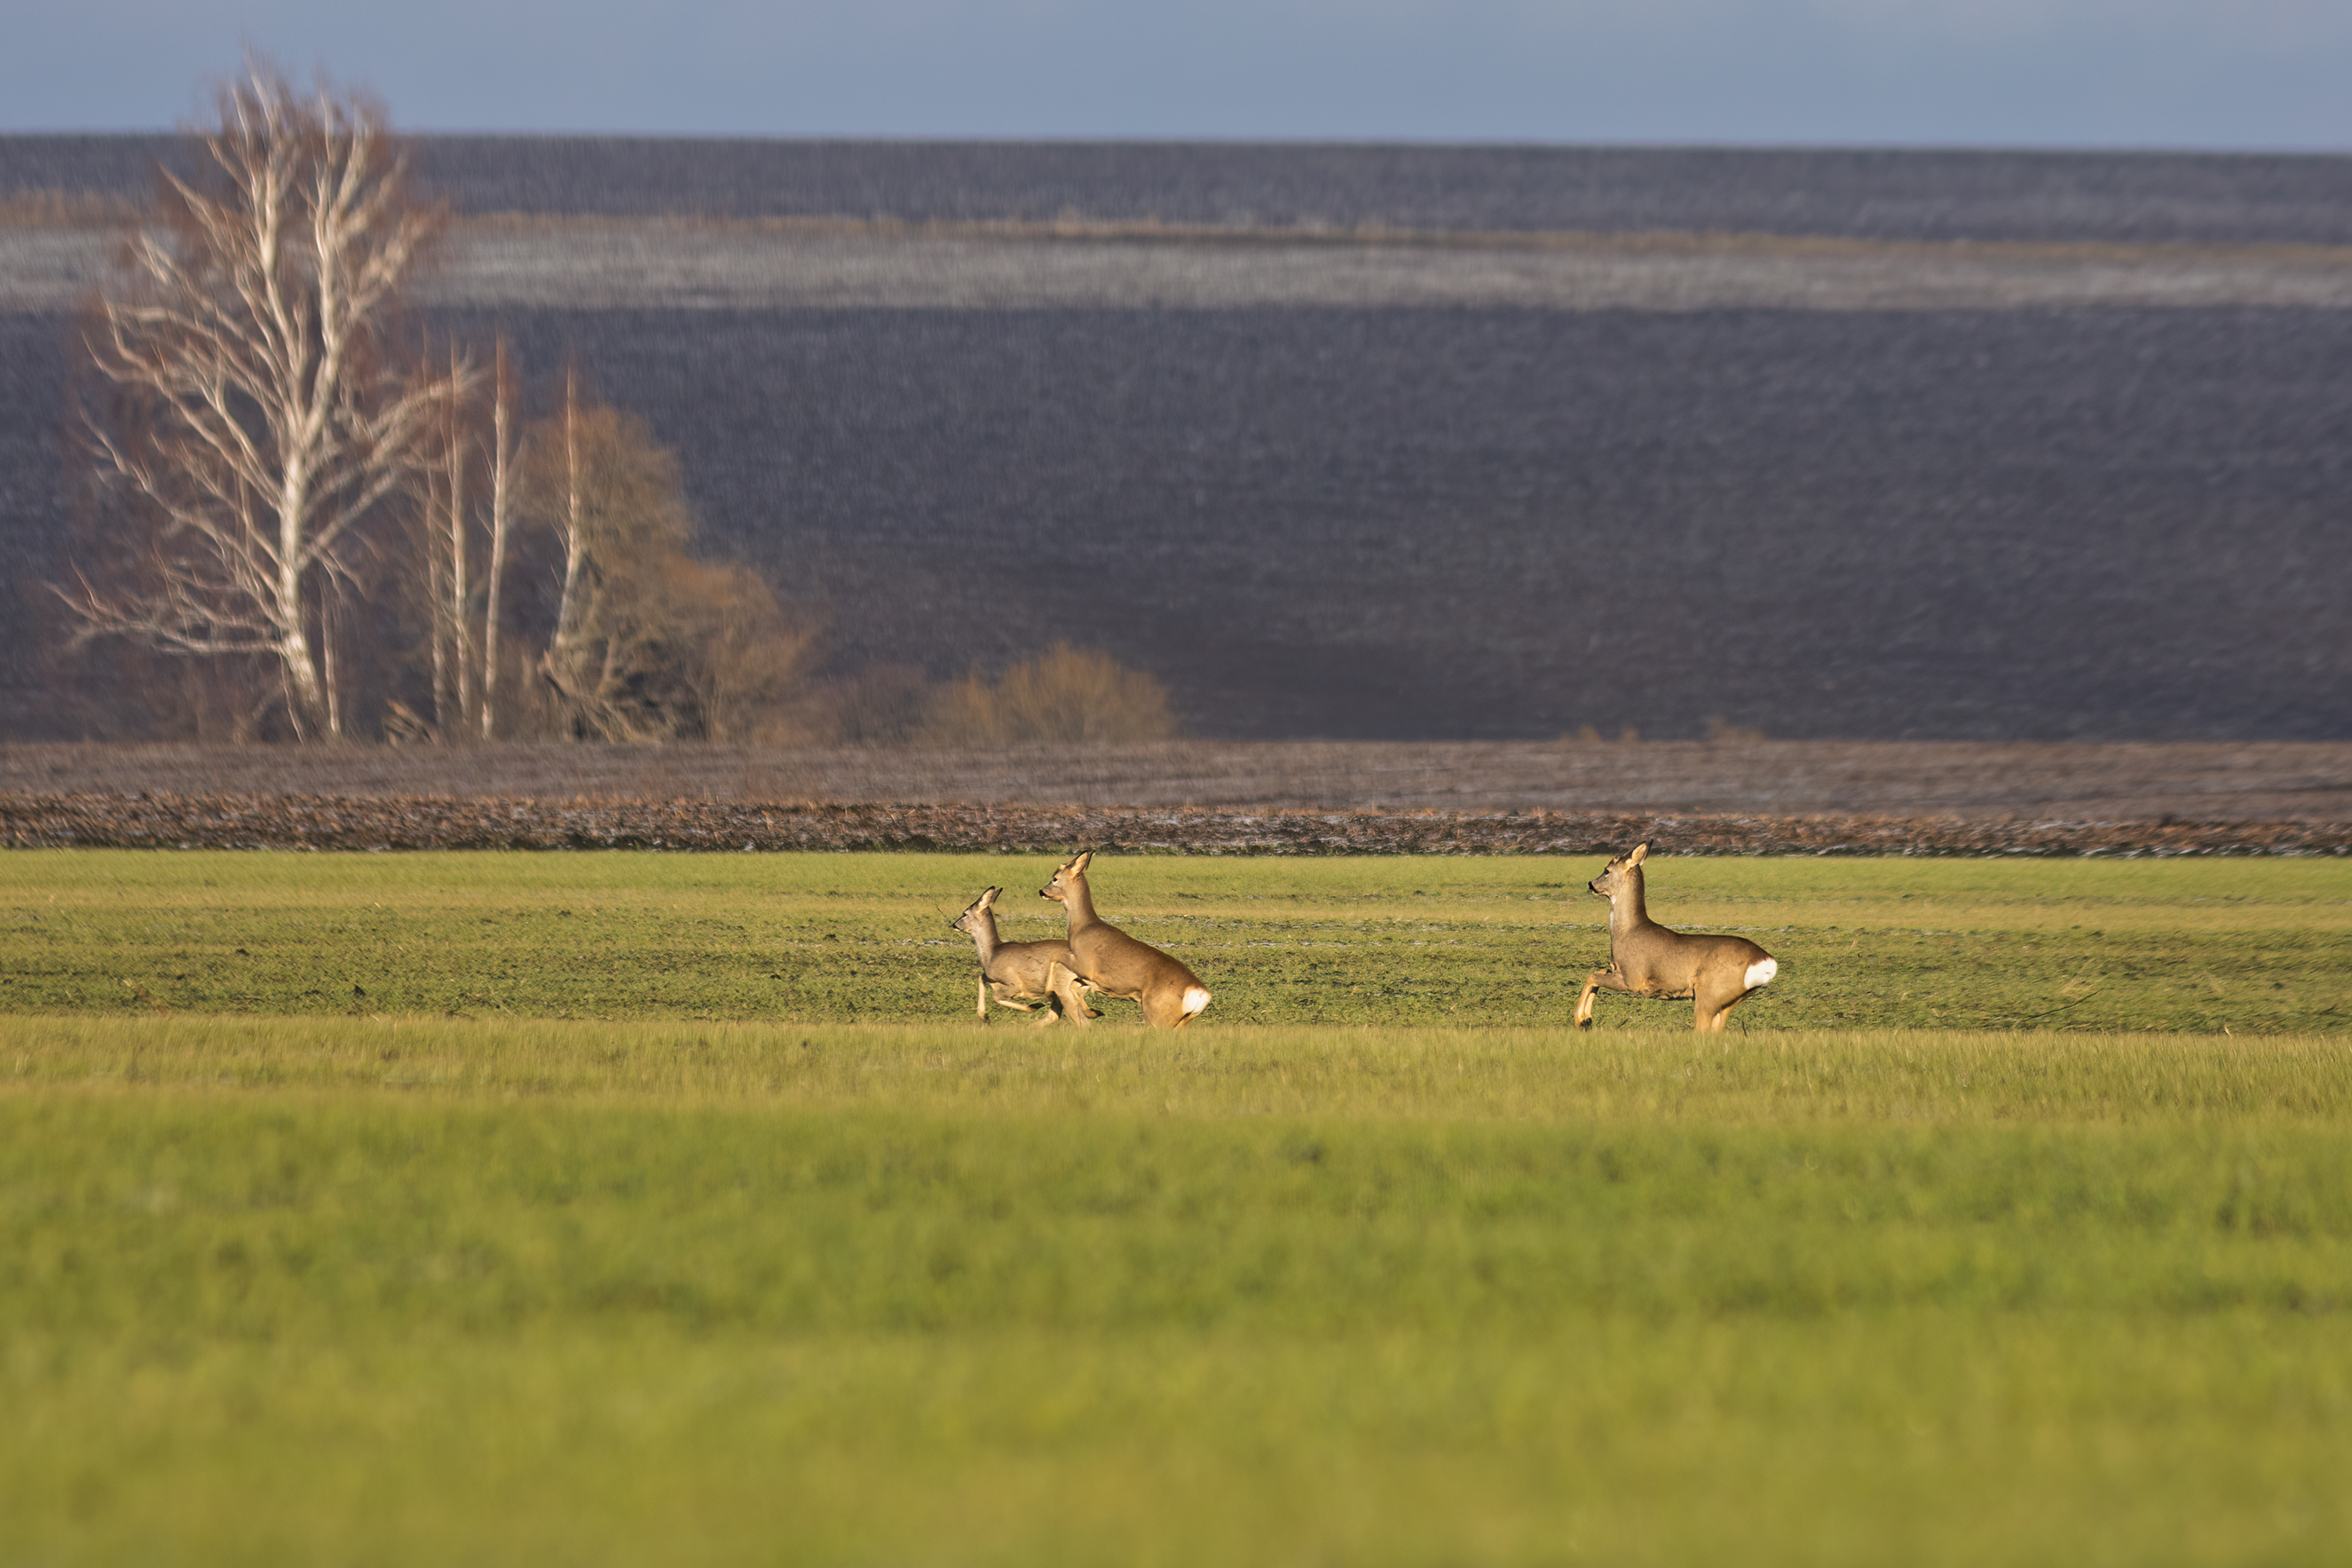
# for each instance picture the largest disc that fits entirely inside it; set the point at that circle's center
(1648, 960)
(1034, 977)
(1115, 963)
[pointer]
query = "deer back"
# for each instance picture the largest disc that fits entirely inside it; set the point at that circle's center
(1114, 962)
(1025, 965)
(1650, 957)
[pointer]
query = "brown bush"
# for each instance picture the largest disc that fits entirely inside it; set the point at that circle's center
(651, 643)
(1064, 695)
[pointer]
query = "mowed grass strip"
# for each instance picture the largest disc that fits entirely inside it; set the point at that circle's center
(369, 1290)
(2247, 945)
(1638, 1077)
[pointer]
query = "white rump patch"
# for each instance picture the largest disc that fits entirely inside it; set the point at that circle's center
(1760, 972)
(1195, 998)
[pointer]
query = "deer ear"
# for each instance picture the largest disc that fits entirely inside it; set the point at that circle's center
(1641, 852)
(1079, 862)
(985, 899)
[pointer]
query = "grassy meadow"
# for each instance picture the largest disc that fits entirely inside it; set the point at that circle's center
(601, 1209)
(2201, 945)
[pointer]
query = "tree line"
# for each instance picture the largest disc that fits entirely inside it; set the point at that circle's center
(325, 529)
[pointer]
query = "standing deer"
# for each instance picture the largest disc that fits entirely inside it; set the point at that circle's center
(1035, 977)
(1112, 962)
(1648, 960)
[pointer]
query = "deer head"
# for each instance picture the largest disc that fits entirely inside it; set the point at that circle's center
(976, 913)
(1069, 879)
(1621, 873)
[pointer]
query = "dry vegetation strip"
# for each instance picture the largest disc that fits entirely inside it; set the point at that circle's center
(1014, 266)
(2308, 782)
(60, 209)
(318, 823)
(53, 244)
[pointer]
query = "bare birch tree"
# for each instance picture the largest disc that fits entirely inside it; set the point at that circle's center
(257, 421)
(463, 495)
(454, 620)
(504, 454)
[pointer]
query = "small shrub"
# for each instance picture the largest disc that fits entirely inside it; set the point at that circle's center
(1721, 731)
(1065, 694)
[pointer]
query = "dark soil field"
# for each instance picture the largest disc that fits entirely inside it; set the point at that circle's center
(1332, 513)
(1461, 523)
(1770, 797)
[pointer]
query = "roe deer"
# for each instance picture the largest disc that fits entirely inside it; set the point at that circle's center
(1031, 976)
(1648, 960)
(1115, 963)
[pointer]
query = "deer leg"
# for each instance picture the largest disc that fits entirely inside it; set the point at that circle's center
(1064, 984)
(1161, 1011)
(1006, 996)
(1714, 1007)
(1594, 982)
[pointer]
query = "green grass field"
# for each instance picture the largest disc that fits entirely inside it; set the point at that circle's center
(711, 1228)
(2200, 945)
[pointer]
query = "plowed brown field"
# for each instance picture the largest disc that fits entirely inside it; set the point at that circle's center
(1260, 799)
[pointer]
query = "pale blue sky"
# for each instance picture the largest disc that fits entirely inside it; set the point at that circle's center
(2050, 73)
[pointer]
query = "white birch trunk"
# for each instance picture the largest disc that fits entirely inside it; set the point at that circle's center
(502, 456)
(271, 431)
(460, 609)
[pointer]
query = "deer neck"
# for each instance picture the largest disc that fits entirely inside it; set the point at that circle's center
(1079, 904)
(983, 937)
(1629, 912)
